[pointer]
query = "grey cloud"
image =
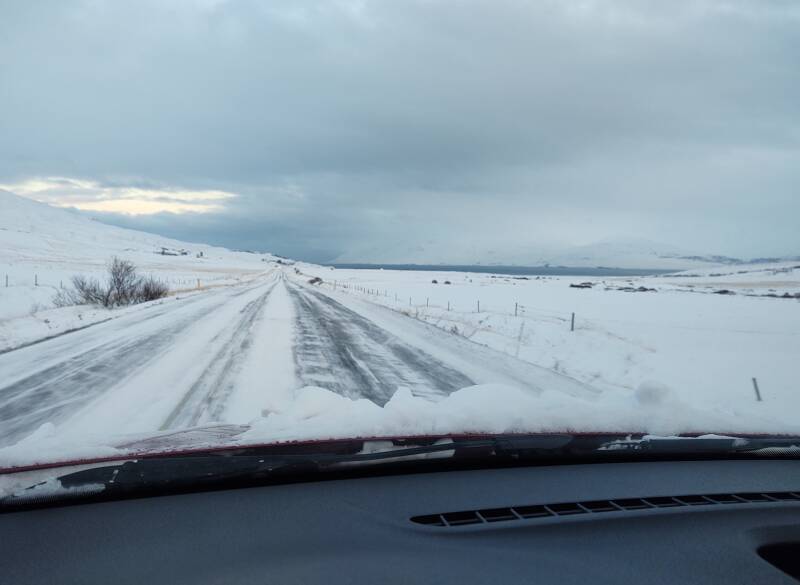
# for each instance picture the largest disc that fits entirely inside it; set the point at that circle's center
(488, 124)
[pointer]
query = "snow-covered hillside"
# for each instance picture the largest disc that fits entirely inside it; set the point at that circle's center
(43, 247)
(32, 232)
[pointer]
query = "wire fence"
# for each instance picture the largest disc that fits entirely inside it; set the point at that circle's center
(572, 320)
(46, 280)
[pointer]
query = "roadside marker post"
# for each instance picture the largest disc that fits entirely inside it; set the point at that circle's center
(572, 323)
(758, 392)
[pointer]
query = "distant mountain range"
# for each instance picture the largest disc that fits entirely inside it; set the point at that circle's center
(610, 253)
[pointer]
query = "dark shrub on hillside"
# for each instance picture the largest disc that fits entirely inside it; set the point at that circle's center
(123, 287)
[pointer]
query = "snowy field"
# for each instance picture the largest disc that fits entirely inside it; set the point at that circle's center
(258, 353)
(682, 335)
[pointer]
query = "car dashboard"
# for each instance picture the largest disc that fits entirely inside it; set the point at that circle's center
(720, 521)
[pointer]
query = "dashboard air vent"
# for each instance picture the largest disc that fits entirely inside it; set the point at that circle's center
(490, 515)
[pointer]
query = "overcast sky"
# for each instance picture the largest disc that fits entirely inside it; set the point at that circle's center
(317, 129)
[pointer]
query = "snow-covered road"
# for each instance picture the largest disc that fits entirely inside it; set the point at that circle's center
(229, 354)
(53, 380)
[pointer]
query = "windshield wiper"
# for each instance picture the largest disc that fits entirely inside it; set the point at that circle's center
(783, 446)
(260, 463)
(170, 474)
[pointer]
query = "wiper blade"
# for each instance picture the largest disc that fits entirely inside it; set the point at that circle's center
(174, 473)
(709, 445)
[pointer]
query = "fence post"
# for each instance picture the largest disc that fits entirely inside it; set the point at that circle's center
(572, 323)
(448, 305)
(758, 392)
(427, 301)
(6, 280)
(516, 307)
(35, 280)
(198, 283)
(409, 301)
(479, 306)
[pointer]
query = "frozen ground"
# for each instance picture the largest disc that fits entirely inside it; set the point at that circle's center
(231, 355)
(293, 361)
(263, 355)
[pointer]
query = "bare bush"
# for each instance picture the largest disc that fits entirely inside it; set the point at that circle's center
(89, 291)
(123, 284)
(124, 287)
(66, 297)
(150, 289)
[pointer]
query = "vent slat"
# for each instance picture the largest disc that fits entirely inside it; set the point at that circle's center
(539, 511)
(532, 511)
(600, 506)
(497, 514)
(460, 518)
(663, 502)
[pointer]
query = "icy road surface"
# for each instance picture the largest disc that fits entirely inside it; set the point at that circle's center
(231, 354)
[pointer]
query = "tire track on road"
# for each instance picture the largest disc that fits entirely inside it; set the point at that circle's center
(205, 401)
(338, 349)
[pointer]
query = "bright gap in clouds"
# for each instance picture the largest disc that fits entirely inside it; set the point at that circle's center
(128, 200)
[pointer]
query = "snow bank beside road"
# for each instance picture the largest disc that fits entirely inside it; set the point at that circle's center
(493, 408)
(42, 325)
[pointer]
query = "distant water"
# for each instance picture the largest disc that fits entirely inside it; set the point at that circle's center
(513, 270)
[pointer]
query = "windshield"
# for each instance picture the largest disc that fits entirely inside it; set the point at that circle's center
(235, 223)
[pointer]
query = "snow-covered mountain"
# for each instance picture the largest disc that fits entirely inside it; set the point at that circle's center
(634, 253)
(612, 253)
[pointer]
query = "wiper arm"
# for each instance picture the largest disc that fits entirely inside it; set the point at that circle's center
(251, 465)
(174, 471)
